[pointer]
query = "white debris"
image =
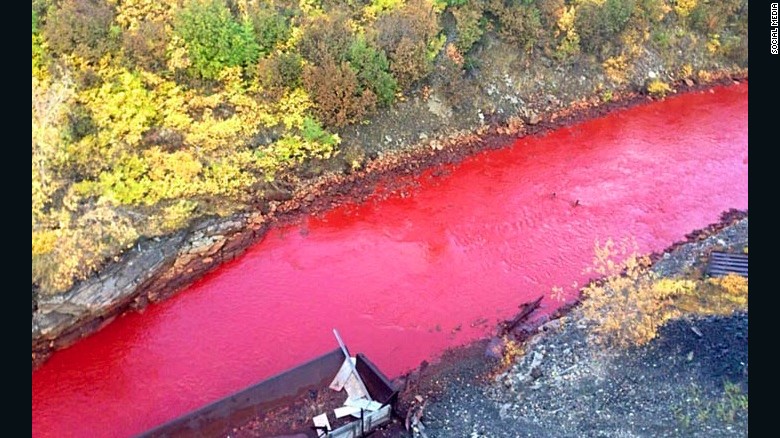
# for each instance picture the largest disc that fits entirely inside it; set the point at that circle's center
(362, 403)
(321, 421)
(346, 410)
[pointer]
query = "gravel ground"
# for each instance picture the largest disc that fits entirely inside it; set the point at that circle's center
(692, 380)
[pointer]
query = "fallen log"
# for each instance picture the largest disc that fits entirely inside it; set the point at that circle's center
(525, 311)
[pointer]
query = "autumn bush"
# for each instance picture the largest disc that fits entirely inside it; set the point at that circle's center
(81, 27)
(408, 36)
(630, 302)
(598, 24)
(146, 46)
(654, 11)
(326, 38)
(271, 25)
(81, 248)
(550, 12)
(281, 71)
(519, 21)
(38, 61)
(658, 88)
(717, 17)
(335, 89)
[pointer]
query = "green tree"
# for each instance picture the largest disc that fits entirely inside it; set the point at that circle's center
(214, 39)
(270, 28)
(373, 70)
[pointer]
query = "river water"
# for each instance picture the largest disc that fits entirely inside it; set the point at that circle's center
(407, 276)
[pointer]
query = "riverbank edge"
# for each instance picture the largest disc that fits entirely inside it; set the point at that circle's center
(472, 363)
(477, 365)
(158, 268)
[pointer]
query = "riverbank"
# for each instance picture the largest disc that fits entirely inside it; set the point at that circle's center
(691, 380)
(155, 269)
(556, 380)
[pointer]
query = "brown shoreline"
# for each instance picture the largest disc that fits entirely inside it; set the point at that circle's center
(174, 268)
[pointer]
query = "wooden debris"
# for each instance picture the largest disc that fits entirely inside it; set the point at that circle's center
(525, 310)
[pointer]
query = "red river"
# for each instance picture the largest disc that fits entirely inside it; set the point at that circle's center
(406, 277)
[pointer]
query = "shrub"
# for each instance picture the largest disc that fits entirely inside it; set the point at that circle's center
(653, 11)
(632, 302)
(566, 30)
(735, 48)
(270, 26)
(518, 23)
(34, 22)
(281, 71)
(326, 38)
(50, 105)
(406, 35)
(410, 62)
(81, 249)
(146, 46)
(717, 296)
(658, 88)
(683, 8)
(662, 38)
(122, 108)
(470, 24)
(708, 17)
(39, 10)
(131, 13)
(81, 27)
(616, 69)
(372, 69)
(174, 217)
(215, 40)
(334, 89)
(315, 142)
(376, 8)
(38, 57)
(313, 132)
(598, 24)
(80, 122)
(550, 12)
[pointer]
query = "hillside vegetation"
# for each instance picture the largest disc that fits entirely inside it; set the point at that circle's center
(149, 114)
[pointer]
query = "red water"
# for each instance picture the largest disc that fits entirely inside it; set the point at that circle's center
(407, 277)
